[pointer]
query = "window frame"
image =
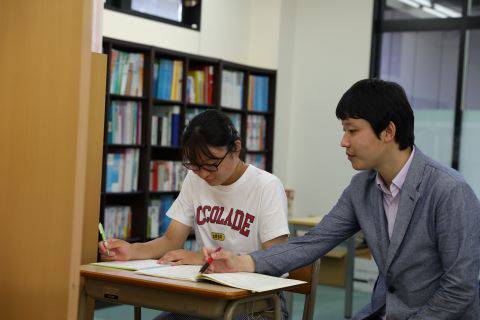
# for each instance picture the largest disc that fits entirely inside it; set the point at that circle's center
(462, 24)
(188, 16)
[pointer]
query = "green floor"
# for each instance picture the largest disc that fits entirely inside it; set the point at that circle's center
(329, 306)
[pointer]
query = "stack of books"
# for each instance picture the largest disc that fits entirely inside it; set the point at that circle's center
(122, 171)
(118, 222)
(257, 93)
(167, 79)
(157, 220)
(236, 121)
(258, 160)
(166, 175)
(256, 132)
(232, 89)
(126, 73)
(124, 123)
(166, 126)
(200, 85)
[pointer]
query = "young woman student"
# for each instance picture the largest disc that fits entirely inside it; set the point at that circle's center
(228, 203)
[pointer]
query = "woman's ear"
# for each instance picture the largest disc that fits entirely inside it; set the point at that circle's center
(238, 146)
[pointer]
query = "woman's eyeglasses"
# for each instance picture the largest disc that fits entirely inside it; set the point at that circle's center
(206, 167)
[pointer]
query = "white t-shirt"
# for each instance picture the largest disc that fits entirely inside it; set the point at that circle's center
(238, 217)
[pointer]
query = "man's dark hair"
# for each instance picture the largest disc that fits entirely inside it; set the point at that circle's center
(210, 128)
(379, 102)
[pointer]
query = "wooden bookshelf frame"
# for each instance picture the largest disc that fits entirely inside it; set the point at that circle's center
(140, 199)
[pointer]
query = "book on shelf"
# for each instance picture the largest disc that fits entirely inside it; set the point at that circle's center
(232, 89)
(191, 113)
(157, 220)
(126, 73)
(118, 222)
(167, 79)
(254, 282)
(166, 126)
(200, 85)
(256, 132)
(257, 93)
(236, 120)
(124, 123)
(132, 265)
(258, 160)
(122, 171)
(166, 175)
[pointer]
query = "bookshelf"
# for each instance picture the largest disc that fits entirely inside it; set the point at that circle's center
(147, 107)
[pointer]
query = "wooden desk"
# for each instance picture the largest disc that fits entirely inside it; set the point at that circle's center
(198, 299)
(305, 223)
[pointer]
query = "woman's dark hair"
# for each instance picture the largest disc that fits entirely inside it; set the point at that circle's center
(210, 128)
(379, 102)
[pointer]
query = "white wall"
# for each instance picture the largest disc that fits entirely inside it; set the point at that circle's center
(242, 31)
(324, 48)
(319, 47)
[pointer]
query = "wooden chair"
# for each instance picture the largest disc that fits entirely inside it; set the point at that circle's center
(309, 274)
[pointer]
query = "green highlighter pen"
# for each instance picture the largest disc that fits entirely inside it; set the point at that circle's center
(102, 232)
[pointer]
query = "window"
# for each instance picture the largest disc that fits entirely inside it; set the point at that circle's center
(422, 9)
(184, 13)
(432, 48)
(474, 8)
(469, 152)
(424, 64)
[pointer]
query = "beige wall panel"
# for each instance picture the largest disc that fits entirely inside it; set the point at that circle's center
(44, 107)
(93, 183)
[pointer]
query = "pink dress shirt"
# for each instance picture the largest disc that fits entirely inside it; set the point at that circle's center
(391, 197)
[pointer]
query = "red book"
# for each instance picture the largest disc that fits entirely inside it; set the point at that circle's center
(154, 176)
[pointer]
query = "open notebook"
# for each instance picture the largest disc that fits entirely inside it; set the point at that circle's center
(254, 282)
(131, 265)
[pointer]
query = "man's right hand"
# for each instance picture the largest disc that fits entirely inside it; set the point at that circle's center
(226, 261)
(120, 250)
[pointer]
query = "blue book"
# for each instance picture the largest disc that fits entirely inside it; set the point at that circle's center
(113, 172)
(162, 73)
(110, 176)
(175, 126)
(265, 94)
(260, 93)
(168, 81)
(256, 93)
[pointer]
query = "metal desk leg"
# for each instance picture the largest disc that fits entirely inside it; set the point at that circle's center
(349, 277)
(137, 313)
(289, 298)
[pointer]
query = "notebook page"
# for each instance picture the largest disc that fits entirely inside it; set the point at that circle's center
(181, 272)
(251, 281)
(130, 265)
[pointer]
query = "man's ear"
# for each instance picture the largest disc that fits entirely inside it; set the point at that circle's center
(388, 135)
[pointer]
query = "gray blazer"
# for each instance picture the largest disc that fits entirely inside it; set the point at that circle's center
(429, 269)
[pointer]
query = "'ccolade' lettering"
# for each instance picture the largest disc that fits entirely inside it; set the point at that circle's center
(236, 219)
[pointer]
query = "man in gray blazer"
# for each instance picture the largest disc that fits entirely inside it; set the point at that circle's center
(421, 220)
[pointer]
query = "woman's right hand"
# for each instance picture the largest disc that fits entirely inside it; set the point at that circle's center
(120, 250)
